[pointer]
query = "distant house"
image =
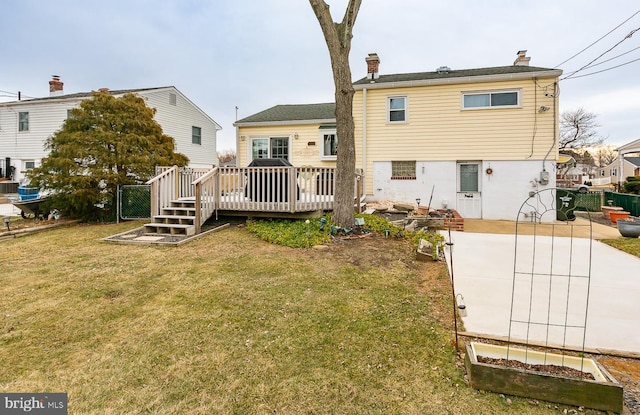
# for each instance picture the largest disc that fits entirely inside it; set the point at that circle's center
(476, 140)
(25, 125)
(627, 163)
(621, 168)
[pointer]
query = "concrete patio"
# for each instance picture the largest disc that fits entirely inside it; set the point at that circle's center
(484, 265)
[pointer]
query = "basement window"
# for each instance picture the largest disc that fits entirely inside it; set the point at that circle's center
(403, 170)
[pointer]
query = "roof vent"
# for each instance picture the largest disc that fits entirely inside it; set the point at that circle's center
(443, 69)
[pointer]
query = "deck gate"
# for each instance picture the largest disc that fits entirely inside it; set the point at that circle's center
(134, 202)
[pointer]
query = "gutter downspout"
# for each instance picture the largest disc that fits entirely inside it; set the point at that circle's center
(364, 142)
(555, 126)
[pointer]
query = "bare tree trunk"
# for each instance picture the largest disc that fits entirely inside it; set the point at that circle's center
(338, 38)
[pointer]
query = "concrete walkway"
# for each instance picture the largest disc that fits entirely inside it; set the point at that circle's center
(551, 286)
(7, 209)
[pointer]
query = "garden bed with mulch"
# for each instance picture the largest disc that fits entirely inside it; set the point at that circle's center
(549, 369)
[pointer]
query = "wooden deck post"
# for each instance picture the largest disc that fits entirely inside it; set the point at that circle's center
(293, 181)
(198, 206)
(177, 182)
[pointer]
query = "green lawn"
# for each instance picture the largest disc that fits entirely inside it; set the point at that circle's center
(629, 245)
(231, 324)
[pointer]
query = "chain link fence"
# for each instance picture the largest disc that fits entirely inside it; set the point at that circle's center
(134, 202)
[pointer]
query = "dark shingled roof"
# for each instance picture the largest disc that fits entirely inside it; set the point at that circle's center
(633, 160)
(87, 94)
(293, 113)
(419, 76)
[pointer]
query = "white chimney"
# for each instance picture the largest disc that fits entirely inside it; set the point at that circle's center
(55, 86)
(522, 59)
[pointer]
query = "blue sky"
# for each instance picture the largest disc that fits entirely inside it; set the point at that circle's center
(255, 54)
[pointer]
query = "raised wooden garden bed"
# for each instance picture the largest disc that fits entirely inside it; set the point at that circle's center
(603, 393)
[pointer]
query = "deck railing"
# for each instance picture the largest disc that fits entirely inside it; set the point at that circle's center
(206, 196)
(276, 189)
(279, 189)
(164, 189)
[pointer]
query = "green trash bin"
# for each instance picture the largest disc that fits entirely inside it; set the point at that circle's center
(565, 205)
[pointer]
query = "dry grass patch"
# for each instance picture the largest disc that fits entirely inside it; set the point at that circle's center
(231, 324)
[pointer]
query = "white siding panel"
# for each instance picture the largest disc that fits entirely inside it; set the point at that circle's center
(177, 120)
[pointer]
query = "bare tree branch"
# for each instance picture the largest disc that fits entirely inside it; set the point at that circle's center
(578, 129)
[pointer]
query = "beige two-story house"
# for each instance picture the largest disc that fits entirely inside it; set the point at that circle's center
(475, 140)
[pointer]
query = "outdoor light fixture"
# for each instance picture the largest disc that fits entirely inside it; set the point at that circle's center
(6, 222)
(418, 201)
(462, 308)
(543, 108)
(295, 135)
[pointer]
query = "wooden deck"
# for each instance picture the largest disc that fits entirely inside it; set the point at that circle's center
(250, 191)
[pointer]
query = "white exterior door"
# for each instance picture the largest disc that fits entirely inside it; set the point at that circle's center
(469, 195)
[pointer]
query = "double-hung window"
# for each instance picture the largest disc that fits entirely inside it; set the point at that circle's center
(23, 121)
(397, 109)
(492, 99)
(329, 147)
(270, 147)
(196, 135)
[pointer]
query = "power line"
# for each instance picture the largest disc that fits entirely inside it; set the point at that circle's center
(604, 70)
(607, 34)
(602, 54)
(615, 57)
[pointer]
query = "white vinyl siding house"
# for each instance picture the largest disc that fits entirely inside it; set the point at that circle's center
(22, 138)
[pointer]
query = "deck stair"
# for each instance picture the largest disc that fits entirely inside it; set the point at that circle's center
(176, 219)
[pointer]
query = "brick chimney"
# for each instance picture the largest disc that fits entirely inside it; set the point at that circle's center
(373, 62)
(522, 59)
(55, 86)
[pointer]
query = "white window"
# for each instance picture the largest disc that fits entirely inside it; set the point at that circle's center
(29, 164)
(329, 146)
(397, 109)
(196, 135)
(499, 99)
(172, 98)
(403, 170)
(468, 180)
(270, 147)
(23, 121)
(614, 172)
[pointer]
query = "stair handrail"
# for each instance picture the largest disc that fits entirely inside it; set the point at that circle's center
(207, 196)
(164, 188)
